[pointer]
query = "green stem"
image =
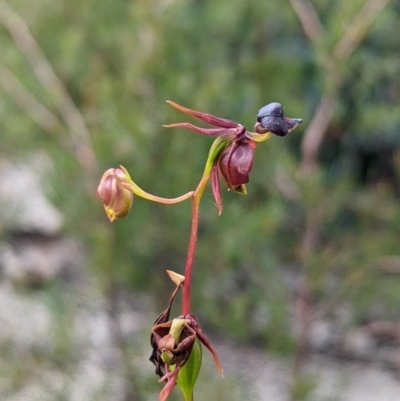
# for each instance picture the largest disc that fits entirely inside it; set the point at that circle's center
(131, 186)
(166, 201)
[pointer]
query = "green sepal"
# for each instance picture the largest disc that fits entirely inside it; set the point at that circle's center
(177, 327)
(241, 189)
(167, 356)
(217, 147)
(189, 372)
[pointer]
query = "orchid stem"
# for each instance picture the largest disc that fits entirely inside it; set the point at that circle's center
(190, 256)
(215, 150)
(196, 197)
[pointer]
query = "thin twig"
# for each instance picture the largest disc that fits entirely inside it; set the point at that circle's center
(344, 48)
(303, 311)
(45, 74)
(39, 113)
(308, 18)
(358, 28)
(36, 110)
(315, 133)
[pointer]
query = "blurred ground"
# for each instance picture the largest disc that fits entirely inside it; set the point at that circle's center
(335, 379)
(65, 351)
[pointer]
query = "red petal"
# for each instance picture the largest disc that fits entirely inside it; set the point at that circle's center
(207, 344)
(216, 188)
(208, 118)
(169, 386)
(236, 163)
(205, 131)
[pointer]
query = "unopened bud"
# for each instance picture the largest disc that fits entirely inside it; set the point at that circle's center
(117, 200)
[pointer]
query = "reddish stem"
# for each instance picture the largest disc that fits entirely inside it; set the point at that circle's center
(190, 256)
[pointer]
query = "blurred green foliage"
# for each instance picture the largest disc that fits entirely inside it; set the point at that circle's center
(121, 60)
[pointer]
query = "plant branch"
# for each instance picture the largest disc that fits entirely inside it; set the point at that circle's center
(38, 112)
(315, 132)
(27, 102)
(358, 28)
(304, 321)
(308, 18)
(343, 49)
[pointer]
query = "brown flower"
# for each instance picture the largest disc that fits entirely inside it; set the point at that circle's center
(234, 161)
(173, 342)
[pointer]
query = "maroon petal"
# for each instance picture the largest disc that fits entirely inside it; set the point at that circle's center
(206, 131)
(224, 163)
(216, 187)
(162, 321)
(164, 316)
(236, 162)
(171, 378)
(208, 118)
(203, 338)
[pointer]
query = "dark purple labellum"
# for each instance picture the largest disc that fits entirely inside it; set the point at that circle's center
(272, 119)
(236, 162)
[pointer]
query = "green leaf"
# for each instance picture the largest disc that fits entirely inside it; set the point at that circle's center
(189, 372)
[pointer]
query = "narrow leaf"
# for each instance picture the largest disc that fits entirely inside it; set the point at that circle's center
(189, 372)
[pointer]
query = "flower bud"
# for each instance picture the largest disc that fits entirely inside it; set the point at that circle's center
(117, 200)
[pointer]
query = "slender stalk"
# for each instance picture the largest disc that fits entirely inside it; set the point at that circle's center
(196, 197)
(215, 150)
(190, 256)
(131, 186)
(165, 201)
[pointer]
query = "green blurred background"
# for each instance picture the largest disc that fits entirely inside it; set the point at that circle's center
(319, 229)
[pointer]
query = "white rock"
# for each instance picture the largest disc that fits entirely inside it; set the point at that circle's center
(23, 203)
